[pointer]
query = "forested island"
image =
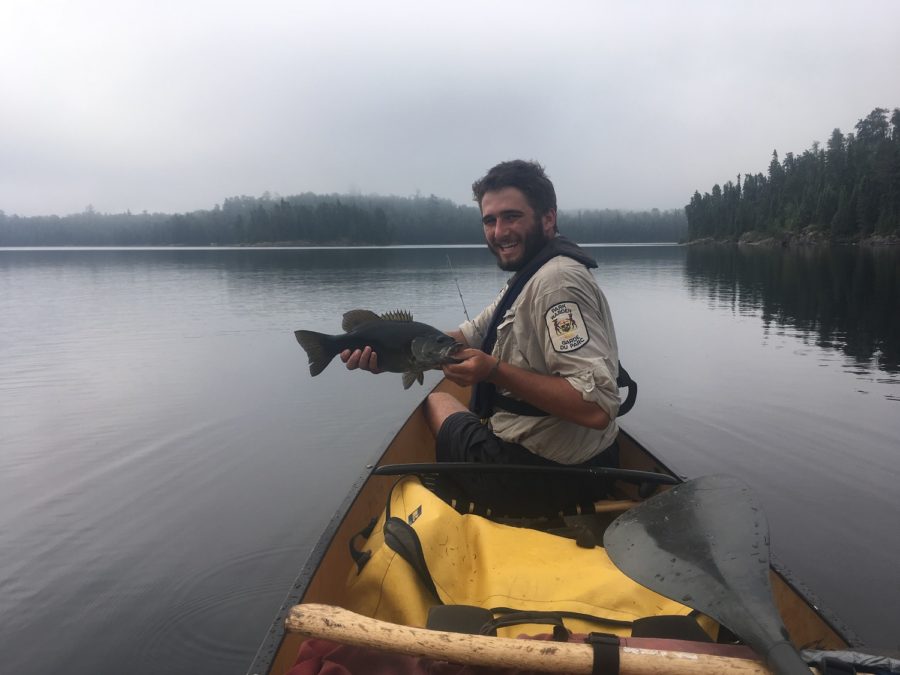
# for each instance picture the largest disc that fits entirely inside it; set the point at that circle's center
(312, 219)
(848, 191)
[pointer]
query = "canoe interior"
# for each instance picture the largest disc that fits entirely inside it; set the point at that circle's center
(323, 577)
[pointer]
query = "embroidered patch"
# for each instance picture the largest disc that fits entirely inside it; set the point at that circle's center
(568, 331)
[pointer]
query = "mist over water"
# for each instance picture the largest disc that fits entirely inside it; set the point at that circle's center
(166, 461)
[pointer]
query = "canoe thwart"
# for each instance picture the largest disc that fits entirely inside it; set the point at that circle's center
(456, 468)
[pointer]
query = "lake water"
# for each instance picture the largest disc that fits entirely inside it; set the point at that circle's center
(166, 461)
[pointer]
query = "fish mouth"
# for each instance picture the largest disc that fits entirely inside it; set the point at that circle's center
(447, 354)
(433, 354)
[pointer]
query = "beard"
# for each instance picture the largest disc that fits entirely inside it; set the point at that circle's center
(532, 242)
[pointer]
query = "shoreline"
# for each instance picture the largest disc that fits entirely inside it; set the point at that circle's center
(806, 238)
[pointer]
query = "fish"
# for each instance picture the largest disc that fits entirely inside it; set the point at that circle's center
(402, 345)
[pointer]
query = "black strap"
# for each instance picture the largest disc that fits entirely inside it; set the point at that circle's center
(830, 666)
(564, 614)
(606, 653)
(403, 540)
(673, 627)
(483, 392)
(560, 632)
(359, 556)
(624, 381)
(525, 409)
(400, 537)
(517, 407)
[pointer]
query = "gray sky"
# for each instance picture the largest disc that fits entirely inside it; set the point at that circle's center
(176, 105)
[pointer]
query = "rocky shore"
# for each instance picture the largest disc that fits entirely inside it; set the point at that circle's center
(807, 237)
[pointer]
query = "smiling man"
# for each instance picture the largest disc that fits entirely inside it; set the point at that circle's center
(542, 358)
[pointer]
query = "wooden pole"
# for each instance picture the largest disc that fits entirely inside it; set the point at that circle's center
(613, 505)
(346, 627)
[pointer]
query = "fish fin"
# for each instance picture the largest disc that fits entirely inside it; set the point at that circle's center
(397, 315)
(409, 378)
(317, 348)
(357, 317)
(421, 378)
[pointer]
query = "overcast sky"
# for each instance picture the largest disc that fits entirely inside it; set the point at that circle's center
(174, 106)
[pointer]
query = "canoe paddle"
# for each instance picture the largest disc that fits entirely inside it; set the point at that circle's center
(705, 543)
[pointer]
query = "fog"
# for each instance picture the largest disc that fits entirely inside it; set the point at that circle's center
(174, 106)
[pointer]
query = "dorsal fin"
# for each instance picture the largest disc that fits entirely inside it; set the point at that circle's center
(397, 315)
(357, 317)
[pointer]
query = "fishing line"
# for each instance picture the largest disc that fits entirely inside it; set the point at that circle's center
(465, 311)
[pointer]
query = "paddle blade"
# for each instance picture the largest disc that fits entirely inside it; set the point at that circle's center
(705, 543)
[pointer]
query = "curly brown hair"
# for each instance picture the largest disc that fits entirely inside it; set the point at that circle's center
(529, 177)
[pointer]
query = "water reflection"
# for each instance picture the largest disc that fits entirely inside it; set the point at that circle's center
(841, 297)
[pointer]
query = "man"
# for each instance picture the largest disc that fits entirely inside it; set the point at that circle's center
(542, 358)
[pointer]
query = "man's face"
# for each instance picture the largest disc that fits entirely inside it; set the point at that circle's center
(513, 232)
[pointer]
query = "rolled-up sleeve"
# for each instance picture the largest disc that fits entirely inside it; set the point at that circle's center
(598, 386)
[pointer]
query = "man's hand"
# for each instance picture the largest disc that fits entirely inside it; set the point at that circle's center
(475, 367)
(363, 359)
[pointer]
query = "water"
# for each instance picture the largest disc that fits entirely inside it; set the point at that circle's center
(166, 462)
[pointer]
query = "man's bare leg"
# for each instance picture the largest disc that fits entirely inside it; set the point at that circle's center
(439, 407)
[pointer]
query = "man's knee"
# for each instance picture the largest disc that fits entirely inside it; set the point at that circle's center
(438, 407)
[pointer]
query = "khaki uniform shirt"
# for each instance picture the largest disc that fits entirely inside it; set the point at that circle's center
(559, 325)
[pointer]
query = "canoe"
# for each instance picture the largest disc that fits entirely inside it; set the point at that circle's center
(321, 591)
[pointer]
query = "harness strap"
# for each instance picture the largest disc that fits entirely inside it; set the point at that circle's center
(518, 407)
(483, 392)
(525, 409)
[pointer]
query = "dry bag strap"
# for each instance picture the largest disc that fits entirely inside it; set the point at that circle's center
(361, 557)
(401, 538)
(560, 632)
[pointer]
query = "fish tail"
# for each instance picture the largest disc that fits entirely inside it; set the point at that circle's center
(319, 348)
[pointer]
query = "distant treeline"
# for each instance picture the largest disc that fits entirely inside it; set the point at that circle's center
(320, 219)
(847, 191)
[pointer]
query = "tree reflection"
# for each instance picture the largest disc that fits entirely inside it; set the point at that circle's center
(842, 297)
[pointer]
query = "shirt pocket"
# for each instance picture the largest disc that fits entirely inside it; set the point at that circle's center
(505, 331)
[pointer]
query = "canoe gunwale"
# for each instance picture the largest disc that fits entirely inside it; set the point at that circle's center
(267, 653)
(802, 591)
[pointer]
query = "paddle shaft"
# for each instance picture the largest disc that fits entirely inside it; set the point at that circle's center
(346, 627)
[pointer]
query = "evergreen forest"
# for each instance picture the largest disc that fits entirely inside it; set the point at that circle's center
(311, 219)
(847, 191)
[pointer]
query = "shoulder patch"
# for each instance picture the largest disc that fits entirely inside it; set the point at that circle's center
(567, 329)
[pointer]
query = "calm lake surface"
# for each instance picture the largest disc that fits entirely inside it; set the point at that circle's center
(166, 461)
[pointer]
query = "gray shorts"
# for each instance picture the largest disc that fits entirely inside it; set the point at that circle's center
(463, 438)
